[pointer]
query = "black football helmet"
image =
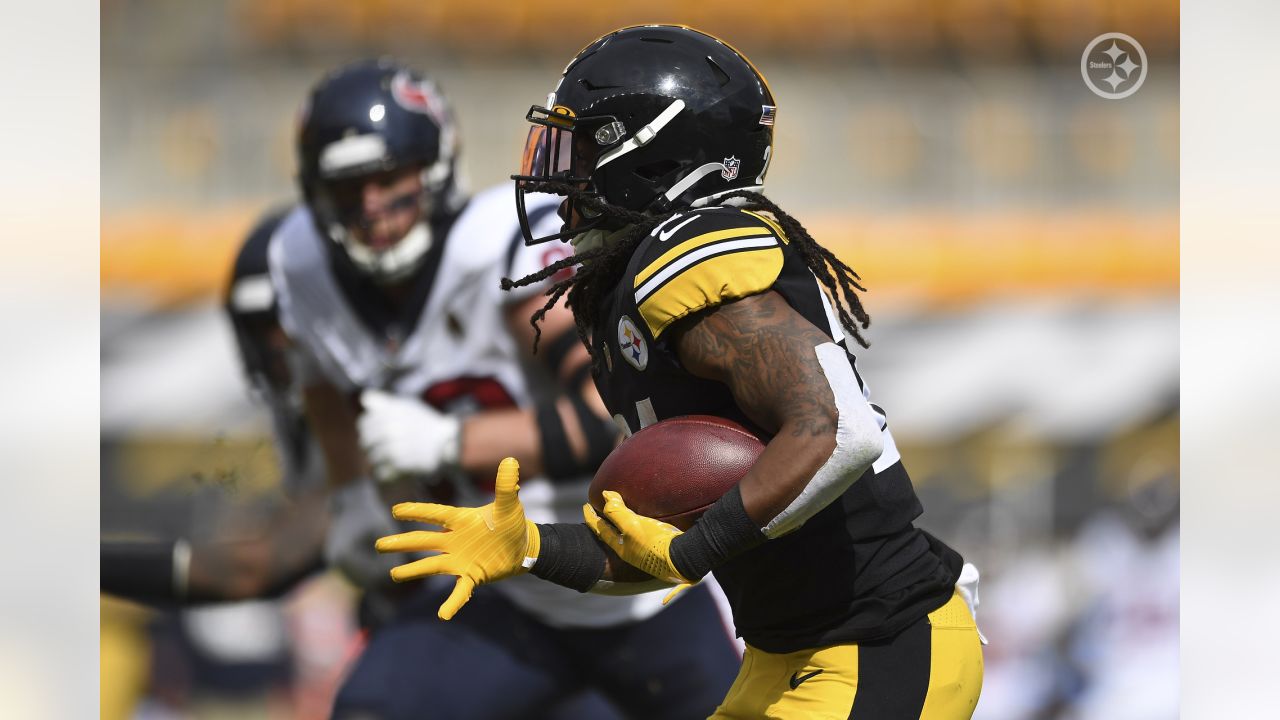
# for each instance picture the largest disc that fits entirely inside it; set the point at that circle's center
(250, 304)
(650, 118)
(368, 118)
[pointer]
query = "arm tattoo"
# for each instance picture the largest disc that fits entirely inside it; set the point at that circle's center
(763, 350)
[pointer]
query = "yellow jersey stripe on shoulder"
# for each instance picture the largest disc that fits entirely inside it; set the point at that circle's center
(773, 224)
(693, 244)
(711, 282)
(678, 265)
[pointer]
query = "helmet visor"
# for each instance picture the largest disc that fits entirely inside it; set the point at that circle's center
(548, 152)
(562, 148)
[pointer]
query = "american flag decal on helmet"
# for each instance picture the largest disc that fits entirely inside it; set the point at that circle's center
(767, 113)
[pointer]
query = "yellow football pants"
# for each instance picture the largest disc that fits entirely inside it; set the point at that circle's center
(931, 671)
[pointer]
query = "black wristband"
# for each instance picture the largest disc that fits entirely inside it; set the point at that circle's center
(139, 570)
(569, 555)
(723, 532)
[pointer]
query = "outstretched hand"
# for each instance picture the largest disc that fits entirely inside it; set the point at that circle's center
(478, 545)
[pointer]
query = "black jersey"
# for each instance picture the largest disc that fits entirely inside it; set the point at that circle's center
(857, 570)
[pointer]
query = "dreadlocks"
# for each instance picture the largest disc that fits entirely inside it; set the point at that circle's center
(602, 267)
(839, 279)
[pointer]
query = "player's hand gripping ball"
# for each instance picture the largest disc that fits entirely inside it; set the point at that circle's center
(658, 482)
(675, 469)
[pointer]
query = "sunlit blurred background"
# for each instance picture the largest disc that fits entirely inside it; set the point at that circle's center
(1018, 235)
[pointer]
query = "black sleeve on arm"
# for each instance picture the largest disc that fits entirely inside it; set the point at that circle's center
(570, 556)
(723, 532)
(140, 570)
(557, 455)
(558, 349)
(600, 432)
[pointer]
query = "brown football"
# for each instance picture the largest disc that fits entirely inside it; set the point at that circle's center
(675, 469)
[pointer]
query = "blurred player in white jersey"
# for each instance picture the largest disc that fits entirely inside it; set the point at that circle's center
(417, 372)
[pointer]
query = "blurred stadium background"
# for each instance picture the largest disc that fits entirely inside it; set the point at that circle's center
(1018, 235)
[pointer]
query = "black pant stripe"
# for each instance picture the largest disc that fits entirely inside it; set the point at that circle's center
(893, 676)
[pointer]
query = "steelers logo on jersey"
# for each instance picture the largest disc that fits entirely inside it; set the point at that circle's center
(632, 344)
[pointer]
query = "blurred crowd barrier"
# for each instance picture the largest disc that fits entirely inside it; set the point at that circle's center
(167, 258)
(1017, 234)
(900, 28)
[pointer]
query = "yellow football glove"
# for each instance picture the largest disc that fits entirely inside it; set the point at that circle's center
(479, 545)
(643, 542)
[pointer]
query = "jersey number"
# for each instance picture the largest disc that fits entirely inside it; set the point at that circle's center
(644, 413)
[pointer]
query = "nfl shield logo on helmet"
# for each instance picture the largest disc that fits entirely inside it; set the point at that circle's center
(730, 170)
(632, 344)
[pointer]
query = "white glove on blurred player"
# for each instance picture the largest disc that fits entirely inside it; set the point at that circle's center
(405, 436)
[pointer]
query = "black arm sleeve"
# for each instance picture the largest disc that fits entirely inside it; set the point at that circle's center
(557, 456)
(140, 571)
(558, 349)
(570, 555)
(600, 433)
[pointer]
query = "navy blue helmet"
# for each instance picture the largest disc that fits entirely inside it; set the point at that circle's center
(365, 120)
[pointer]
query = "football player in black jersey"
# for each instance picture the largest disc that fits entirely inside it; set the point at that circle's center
(697, 295)
(411, 378)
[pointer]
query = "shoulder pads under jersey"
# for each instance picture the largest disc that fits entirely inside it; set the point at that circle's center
(702, 258)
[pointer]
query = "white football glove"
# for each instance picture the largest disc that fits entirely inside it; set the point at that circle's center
(405, 436)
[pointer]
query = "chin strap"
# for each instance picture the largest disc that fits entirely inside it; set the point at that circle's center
(394, 263)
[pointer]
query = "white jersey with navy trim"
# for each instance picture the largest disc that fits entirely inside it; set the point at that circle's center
(460, 356)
